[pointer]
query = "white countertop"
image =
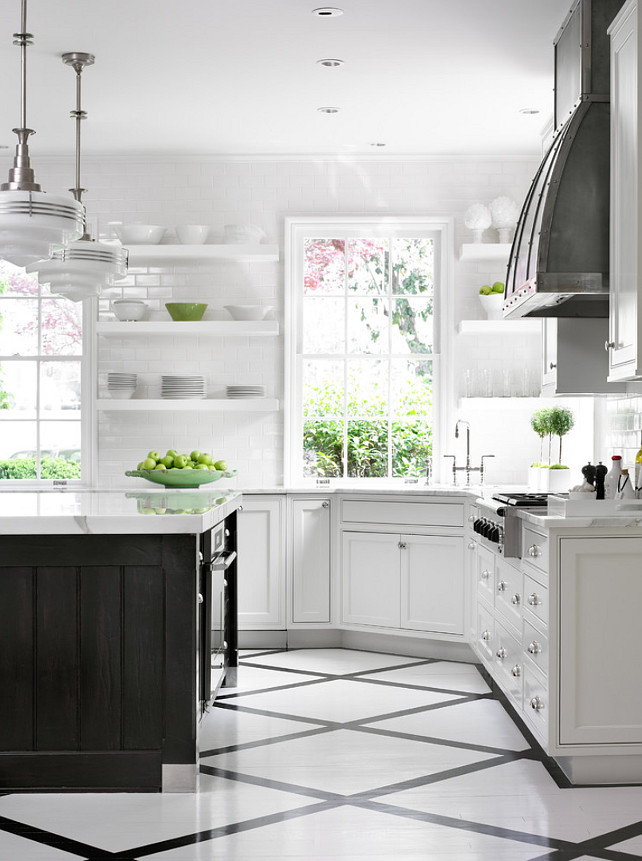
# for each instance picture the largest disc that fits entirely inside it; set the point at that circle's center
(117, 512)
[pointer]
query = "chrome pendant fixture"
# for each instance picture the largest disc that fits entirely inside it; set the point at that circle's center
(85, 266)
(31, 221)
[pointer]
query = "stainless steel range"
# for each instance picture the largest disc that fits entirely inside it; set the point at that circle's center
(498, 522)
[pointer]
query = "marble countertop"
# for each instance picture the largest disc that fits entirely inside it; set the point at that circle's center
(114, 512)
(612, 520)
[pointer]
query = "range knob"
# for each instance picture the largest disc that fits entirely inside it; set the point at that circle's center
(494, 535)
(487, 529)
(477, 525)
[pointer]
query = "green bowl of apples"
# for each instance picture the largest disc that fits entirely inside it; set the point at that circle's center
(181, 470)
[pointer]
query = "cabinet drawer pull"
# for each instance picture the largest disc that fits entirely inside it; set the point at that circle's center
(515, 600)
(402, 545)
(552, 365)
(516, 671)
(537, 704)
(200, 598)
(609, 345)
(325, 504)
(534, 600)
(471, 545)
(485, 574)
(486, 636)
(224, 564)
(534, 550)
(501, 653)
(534, 648)
(501, 586)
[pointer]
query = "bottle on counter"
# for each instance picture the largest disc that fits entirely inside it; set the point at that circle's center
(613, 477)
(638, 470)
(625, 487)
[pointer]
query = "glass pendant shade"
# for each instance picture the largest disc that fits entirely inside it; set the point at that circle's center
(33, 223)
(82, 269)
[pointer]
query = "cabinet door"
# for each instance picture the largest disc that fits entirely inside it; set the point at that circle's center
(625, 306)
(549, 352)
(432, 583)
(370, 575)
(600, 684)
(310, 560)
(261, 563)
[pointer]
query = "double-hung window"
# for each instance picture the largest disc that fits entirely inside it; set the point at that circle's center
(364, 315)
(43, 375)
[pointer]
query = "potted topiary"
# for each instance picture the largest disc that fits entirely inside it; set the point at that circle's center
(492, 299)
(538, 472)
(561, 422)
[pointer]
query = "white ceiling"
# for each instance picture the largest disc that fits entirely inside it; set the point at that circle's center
(214, 77)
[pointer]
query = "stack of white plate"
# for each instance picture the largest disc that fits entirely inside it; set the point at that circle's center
(121, 385)
(245, 391)
(183, 386)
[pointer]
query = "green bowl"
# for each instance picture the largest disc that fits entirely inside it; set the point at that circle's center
(181, 477)
(186, 310)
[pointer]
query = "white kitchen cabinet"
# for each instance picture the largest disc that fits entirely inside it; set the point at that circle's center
(574, 361)
(412, 582)
(600, 684)
(625, 336)
(311, 549)
(261, 564)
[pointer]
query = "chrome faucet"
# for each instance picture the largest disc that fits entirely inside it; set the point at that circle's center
(468, 468)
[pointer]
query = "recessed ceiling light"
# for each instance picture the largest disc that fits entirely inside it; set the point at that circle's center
(330, 63)
(328, 110)
(327, 12)
(528, 111)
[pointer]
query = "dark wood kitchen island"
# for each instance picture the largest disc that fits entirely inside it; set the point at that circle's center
(102, 636)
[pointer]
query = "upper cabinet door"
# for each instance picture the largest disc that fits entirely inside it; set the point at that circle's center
(625, 334)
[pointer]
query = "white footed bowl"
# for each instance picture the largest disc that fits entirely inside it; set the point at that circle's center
(192, 234)
(139, 234)
(248, 312)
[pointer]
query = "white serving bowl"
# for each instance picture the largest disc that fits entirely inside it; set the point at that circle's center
(139, 234)
(248, 312)
(128, 309)
(192, 234)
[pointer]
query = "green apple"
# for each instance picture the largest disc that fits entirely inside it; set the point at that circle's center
(498, 287)
(148, 463)
(201, 466)
(194, 455)
(153, 455)
(486, 290)
(221, 464)
(167, 461)
(148, 511)
(171, 452)
(189, 465)
(140, 465)
(180, 461)
(161, 467)
(205, 458)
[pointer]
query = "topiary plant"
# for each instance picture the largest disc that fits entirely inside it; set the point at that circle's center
(562, 421)
(541, 424)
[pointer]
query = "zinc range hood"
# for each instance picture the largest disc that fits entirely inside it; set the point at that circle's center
(559, 260)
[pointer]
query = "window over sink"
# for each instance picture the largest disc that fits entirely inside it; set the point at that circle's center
(362, 367)
(42, 376)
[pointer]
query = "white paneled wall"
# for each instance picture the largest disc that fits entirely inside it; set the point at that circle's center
(217, 191)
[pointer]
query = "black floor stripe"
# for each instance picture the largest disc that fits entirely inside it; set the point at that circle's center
(55, 841)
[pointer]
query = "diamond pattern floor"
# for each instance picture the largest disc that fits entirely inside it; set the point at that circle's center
(340, 754)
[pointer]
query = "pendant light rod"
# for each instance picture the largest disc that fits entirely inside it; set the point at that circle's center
(78, 61)
(21, 175)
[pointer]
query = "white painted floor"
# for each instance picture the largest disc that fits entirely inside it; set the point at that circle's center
(338, 754)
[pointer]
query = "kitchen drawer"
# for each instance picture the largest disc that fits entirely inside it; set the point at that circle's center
(508, 593)
(535, 548)
(535, 646)
(536, 702)
(485, 634)
(536, 598)
(485, 574)
(402, 513)
(508, 663)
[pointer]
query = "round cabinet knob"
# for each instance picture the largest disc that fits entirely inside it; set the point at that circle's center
(325, 504)
(534, 600)
(486, 636)
(515, 599)
(501, 586)
(485, 574)
(552, 366)
(609, 345)
(471, 545)
(534, 648)
(516, 671)
(537, 704)
(501, 653)
(534, 551)
(471, 518)
(200, 598)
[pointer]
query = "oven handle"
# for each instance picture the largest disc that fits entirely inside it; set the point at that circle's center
(223, 563)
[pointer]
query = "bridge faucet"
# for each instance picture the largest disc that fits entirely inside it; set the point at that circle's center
(468, 468)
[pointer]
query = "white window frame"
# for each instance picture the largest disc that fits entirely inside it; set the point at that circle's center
(299, 228)
(87, 360)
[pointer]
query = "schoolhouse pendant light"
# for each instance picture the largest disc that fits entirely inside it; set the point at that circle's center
(31, 221)
(85, 266)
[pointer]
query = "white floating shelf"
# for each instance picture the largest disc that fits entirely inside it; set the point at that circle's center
(485, 251)
(221, 328)
(513, 403)
(214, 405)
(499, 327)
(150, 255)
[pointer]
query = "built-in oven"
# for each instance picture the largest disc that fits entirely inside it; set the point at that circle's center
(498, 523)
(218, 664)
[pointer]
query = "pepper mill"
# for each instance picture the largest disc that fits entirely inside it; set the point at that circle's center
(600, 473)
(589, 472)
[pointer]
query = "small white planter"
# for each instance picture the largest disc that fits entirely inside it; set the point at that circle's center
(492, 305)
(556, 480)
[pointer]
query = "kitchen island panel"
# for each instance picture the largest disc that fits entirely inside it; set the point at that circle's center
(16, 657)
